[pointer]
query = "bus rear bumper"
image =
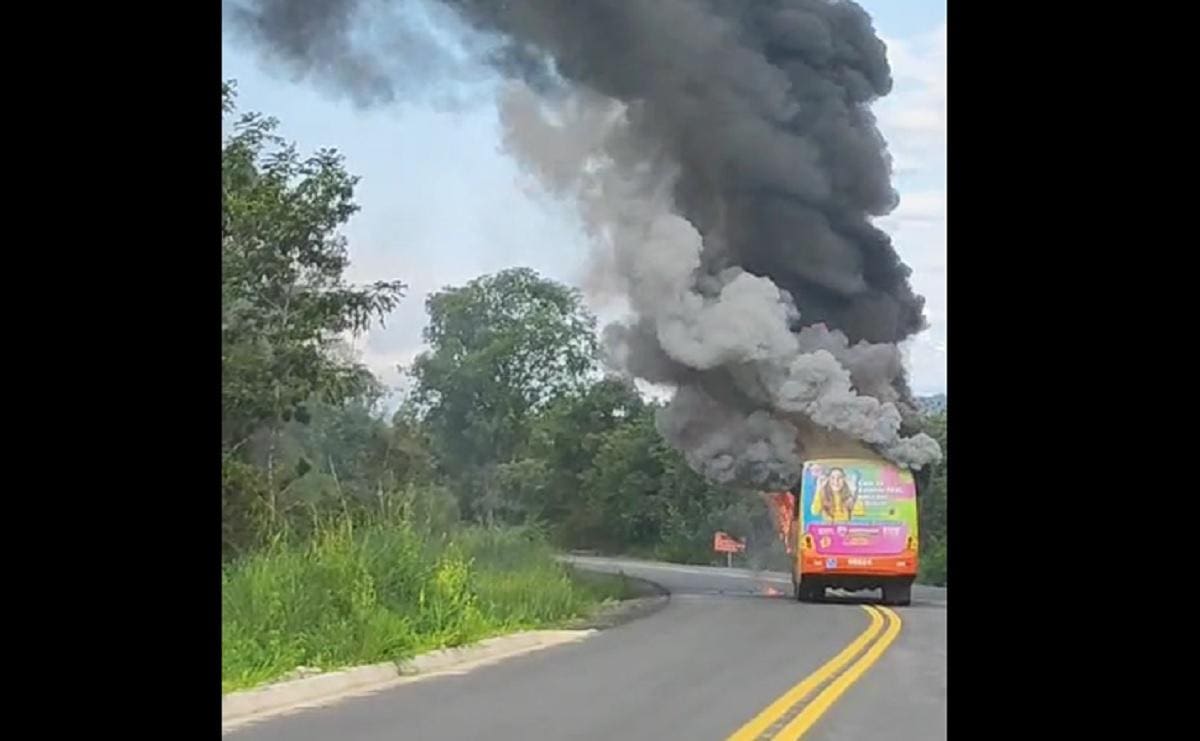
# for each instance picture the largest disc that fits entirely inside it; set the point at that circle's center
(870, 571)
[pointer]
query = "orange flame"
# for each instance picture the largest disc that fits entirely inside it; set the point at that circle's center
(783, 505)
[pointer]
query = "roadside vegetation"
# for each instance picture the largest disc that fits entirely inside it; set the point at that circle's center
(351, 535)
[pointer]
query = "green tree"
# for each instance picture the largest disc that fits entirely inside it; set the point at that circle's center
(565, 438)
(621, 493)
(285, 303)
(932, 493)
(353, 451)
(502, 348)
(637, 493)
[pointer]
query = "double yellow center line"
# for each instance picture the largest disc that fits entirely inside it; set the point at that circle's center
(868, 647)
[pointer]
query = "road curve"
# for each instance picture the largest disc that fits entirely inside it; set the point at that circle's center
(714, 659)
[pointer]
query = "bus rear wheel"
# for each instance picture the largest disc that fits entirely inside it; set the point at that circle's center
(810, 592)
(899, 595)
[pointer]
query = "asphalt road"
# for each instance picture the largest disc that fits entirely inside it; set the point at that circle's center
(720, 653)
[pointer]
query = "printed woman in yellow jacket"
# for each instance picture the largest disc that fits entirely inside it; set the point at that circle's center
(836, 497)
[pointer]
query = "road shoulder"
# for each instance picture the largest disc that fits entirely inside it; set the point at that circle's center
(278, 698)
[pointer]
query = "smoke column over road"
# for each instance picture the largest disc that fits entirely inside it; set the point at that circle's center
(727, 166)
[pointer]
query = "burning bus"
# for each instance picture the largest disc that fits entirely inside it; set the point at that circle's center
(853, 527)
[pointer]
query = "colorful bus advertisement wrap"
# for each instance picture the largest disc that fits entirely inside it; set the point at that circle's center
(858, 507)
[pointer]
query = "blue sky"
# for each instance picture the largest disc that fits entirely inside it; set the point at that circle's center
(441, 204)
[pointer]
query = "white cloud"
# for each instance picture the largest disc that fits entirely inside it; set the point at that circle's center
(913, 116)
(918, 206)
(913, 120)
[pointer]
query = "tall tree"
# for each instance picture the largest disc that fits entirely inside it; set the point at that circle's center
(285, 303)
(502, 348)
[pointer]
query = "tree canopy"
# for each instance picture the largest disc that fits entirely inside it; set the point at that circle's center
(510, 419)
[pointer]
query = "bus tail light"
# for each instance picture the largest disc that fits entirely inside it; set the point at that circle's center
(912, 543)
(808, 542)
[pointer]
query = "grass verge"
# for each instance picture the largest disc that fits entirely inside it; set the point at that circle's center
(384, 592)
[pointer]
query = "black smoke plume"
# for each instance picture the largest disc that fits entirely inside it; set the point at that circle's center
(727, 163)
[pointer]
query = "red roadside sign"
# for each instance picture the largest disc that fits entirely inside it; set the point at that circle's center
(724, 543)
